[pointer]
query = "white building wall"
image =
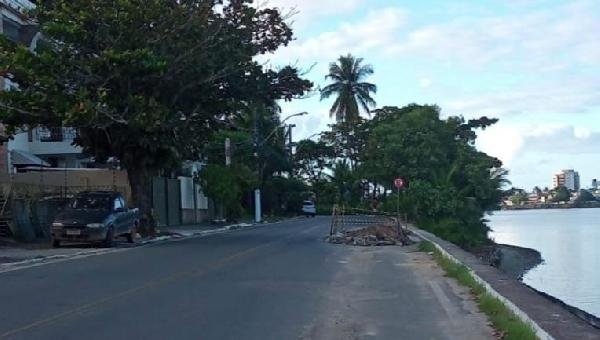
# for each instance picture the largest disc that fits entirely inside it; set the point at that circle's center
(187, 192)
(21, 142)
(202, 200)
(570, 180)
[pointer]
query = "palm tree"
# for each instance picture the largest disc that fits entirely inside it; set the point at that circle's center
(352, 93)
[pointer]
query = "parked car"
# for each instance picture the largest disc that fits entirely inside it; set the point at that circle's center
(309, 209)
(95, 217)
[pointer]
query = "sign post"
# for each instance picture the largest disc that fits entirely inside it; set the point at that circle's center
(399, 184)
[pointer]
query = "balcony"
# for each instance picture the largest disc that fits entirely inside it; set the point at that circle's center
(61, 134)
(47, 141)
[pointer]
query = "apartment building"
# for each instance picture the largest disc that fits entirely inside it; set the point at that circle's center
(568, 178)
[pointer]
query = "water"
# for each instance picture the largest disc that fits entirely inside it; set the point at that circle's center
(569, 241)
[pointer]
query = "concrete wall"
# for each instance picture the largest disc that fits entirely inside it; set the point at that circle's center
(179, 202)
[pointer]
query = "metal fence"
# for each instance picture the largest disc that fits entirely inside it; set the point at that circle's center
(347, 219)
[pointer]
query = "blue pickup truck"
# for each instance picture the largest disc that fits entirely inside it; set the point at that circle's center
(95, 217)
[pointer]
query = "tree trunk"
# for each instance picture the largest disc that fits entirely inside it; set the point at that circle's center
(140, 179)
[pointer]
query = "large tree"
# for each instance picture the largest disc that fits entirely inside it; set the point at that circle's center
(145, 80)
(348, 86)
(312, 159)
(452, 184)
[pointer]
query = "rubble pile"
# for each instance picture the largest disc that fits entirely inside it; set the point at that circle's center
(374, 235)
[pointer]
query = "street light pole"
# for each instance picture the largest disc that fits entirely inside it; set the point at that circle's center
(257, 153)
(257, 198)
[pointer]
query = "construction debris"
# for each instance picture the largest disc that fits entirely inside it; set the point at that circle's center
(374, 235)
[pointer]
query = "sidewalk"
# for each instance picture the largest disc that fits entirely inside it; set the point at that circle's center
(550, 316)
(199, 229)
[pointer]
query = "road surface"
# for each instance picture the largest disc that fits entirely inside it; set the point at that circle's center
(273, 282)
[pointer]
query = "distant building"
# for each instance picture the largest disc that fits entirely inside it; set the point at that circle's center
(533, 198)
(594, 184)
(567, 178)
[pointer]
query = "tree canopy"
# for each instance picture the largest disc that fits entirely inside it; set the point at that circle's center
(452, 184)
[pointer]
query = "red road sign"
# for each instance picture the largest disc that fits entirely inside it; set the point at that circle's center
(399, 183)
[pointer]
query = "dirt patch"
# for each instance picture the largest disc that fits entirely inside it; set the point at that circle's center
(374, 235)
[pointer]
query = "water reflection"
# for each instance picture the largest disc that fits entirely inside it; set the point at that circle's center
(568, 241)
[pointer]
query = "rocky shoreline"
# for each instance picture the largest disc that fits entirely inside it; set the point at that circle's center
(511, 260)
(516, 261)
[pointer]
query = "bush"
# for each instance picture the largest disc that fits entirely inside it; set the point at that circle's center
(464, 234)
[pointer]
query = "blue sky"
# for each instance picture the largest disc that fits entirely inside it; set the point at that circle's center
(534, 64)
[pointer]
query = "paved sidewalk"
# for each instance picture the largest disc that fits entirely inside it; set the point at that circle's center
(550, 316)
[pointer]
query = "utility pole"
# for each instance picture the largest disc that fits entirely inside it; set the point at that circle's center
(289, 144)
(258, 144)
(257, 154)
(227, 152)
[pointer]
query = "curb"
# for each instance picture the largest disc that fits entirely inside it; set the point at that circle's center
(539, 331)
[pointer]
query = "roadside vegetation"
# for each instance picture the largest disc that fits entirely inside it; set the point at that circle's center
(508, 325)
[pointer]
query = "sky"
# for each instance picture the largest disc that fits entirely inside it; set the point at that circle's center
(534, 64)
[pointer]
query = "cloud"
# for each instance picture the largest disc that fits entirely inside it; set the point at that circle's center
(552, 54)
(307, 11)
(562, 140)
(533, 153)
(563, 94)
(539, 37)
(501, 141)
(542, 38)
(425, 82)
(377, 29)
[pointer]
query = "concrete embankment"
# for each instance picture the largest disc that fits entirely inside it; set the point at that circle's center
(550, 320)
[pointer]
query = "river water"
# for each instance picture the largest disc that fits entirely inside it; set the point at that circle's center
(569, 241)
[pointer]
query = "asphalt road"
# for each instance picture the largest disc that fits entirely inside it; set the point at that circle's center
(273, 282)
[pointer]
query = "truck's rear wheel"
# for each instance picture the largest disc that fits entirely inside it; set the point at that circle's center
(56, 243)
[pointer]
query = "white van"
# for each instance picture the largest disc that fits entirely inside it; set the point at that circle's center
(309, 209)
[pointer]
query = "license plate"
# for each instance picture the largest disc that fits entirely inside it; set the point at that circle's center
(73, 232)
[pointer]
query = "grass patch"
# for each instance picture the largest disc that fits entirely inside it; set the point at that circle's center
(502, 318)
